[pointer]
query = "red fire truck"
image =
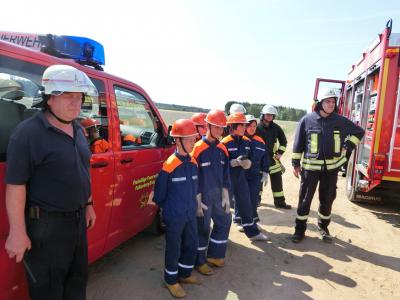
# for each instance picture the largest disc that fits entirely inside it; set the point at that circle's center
(122, 177)
(370, 97)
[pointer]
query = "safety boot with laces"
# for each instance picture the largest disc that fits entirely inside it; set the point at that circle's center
(190, 280)
(205, 269)
(217, 262)
(176, 290)
(325, 235)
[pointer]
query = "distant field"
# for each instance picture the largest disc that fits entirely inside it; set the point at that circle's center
(170, 116)
(288, 127)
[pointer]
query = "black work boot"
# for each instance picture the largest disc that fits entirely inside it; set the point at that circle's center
(325, 235)
(298, 236)
(283, 205)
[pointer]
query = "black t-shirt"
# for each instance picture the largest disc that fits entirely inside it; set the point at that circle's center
(54, 166)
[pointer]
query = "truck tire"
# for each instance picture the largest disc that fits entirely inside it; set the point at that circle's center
(352, 177)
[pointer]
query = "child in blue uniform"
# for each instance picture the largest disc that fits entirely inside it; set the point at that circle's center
(213, 202)
(238, 147)
(258, 172)
(175, 192)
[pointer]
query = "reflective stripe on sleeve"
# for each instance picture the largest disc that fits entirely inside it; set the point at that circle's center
(337, 164)
(205, 164)
(355, 140)
(296, 155)
(282, 148)
(201, 248)
(194, 177)
(261, 149)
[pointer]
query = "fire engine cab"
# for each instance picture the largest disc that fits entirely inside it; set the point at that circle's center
(122, 115)
(370, 97)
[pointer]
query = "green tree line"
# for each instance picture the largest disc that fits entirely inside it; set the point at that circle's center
(284, 113)
(180, 107)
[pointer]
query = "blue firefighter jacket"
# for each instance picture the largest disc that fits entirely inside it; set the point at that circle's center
(319, 141)
(176, 188)
(213, 162)
(259, 158)
(237, 146)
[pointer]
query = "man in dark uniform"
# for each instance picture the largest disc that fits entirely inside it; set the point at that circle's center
(48, 190)
(272, 133)
(325, 141)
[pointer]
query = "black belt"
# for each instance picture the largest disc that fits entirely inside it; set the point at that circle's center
(35, 212)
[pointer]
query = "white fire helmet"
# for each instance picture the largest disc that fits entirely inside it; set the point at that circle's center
(250, 118)
(327, 93)
(236, 107)
(269, 109)
(58, 79)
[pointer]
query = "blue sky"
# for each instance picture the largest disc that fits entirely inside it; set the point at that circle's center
(205, 53)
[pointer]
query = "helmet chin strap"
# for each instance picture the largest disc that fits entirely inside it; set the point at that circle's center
(58, 118)
(183, 146)
(209, 127)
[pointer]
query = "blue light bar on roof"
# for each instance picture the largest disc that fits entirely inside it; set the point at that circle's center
(83, 50)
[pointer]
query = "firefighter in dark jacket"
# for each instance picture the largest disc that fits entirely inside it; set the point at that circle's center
(272, 133)
(324, 140)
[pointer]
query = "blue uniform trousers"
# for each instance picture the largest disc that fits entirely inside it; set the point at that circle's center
(254, 187)
(240, 190)
(180, 249)
(214, 245)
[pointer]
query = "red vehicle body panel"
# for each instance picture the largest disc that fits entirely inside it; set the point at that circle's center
(120, 189)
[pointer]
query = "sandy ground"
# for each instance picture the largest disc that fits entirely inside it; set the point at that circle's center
(362, 263)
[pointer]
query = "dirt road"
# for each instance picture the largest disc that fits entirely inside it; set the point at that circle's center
(362, 263)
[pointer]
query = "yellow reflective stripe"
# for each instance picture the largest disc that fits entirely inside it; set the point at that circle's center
(275, 171)
(314, 143)
(313, 161)
(283, 148)
(355, 140)
(278, 194)
(324, 217)
(274, 167)
(336, 137)
(275, 147)
(311, 167)
(296, 155)
(336, 165)
(303, 218)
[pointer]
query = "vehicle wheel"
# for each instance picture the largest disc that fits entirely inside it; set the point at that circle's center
(158, 226)
(350, 183)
